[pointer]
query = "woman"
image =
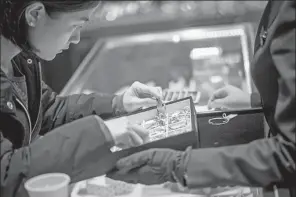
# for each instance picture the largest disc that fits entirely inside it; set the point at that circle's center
(262, 163)
(75, 141)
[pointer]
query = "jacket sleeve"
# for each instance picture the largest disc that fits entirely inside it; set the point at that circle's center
(256, 100)
(78, 149)
(60, 110)
(264, 162)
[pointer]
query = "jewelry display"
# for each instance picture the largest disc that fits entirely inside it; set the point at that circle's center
(168, 124)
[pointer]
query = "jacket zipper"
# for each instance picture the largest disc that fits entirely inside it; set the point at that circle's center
(28, 116)
(40, 83)
(31, 131)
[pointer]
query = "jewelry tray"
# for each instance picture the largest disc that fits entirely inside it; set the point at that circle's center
(176, 141)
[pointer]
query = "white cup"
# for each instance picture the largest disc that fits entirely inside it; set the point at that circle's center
(48, 185)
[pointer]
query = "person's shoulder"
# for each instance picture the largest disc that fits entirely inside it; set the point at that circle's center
(285, 15)
(288, 8)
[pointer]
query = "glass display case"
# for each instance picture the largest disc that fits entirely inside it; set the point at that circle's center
(198, 60)
(193, 61)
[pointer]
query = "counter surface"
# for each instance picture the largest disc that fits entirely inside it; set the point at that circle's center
(246, 126)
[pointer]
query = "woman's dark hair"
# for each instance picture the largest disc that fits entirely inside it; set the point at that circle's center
(13, 25)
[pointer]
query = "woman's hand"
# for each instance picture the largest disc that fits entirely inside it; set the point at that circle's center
(229, 97)
(139, 95)
(126, 135)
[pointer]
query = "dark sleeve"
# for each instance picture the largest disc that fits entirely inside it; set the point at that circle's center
(264, 162)
(256, 100)
(78, 149)
(60, 110)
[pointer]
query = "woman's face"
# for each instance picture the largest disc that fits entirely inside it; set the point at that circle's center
(51, 35)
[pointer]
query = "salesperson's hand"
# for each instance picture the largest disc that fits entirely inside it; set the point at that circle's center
(139, 95)
(229, 97)
(153, 166)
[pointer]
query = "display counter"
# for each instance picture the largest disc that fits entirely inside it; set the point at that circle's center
(243, 126)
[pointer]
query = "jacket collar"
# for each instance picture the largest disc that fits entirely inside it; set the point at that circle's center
(6, 88)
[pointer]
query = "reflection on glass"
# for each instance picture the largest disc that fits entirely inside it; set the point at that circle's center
(194, 61)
